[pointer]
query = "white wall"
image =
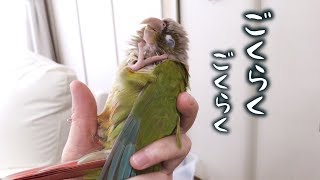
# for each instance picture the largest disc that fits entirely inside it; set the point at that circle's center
(12, 32)
(217, 26)
(289, 138)
(285, 144)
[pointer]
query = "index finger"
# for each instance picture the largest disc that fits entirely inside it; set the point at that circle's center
(188, 107)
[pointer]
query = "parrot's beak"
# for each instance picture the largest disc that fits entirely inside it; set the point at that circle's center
(155, 24)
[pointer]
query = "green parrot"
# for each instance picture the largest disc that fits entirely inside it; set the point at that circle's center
(141, 108)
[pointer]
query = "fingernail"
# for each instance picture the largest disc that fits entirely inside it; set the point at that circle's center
(140, 159)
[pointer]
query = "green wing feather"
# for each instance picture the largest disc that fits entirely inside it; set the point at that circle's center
(119, 104)
(125, 90)
(154, 115)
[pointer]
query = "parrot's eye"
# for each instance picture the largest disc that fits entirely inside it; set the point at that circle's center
(170, 41)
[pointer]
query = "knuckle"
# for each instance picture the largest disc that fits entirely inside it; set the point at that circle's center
(196, 107)
(187, 143)
(154, 152)
(167, 175)
(150, 154)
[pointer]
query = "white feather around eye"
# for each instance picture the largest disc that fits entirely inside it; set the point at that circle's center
(170, 41)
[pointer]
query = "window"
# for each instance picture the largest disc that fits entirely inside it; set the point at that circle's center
(90, 37)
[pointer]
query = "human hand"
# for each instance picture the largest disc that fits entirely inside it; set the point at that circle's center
(82, 137)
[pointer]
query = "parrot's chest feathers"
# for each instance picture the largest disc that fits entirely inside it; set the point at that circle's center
(149, 68)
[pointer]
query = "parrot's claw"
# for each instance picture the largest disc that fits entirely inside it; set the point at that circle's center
(141, 45)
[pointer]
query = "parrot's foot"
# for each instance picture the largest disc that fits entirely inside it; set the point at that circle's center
(142, 62)
(94, 156)
(150, 60)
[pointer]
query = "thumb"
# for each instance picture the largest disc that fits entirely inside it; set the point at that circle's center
(82, 136)
(83, 104)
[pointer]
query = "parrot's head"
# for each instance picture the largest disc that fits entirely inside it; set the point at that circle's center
(162, 39)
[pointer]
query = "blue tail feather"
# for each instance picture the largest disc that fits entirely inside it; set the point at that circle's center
(133, 173)
(116, 158)
(118, 165)
(125, 169)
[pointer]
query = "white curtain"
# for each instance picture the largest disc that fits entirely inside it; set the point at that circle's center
(39, 39)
